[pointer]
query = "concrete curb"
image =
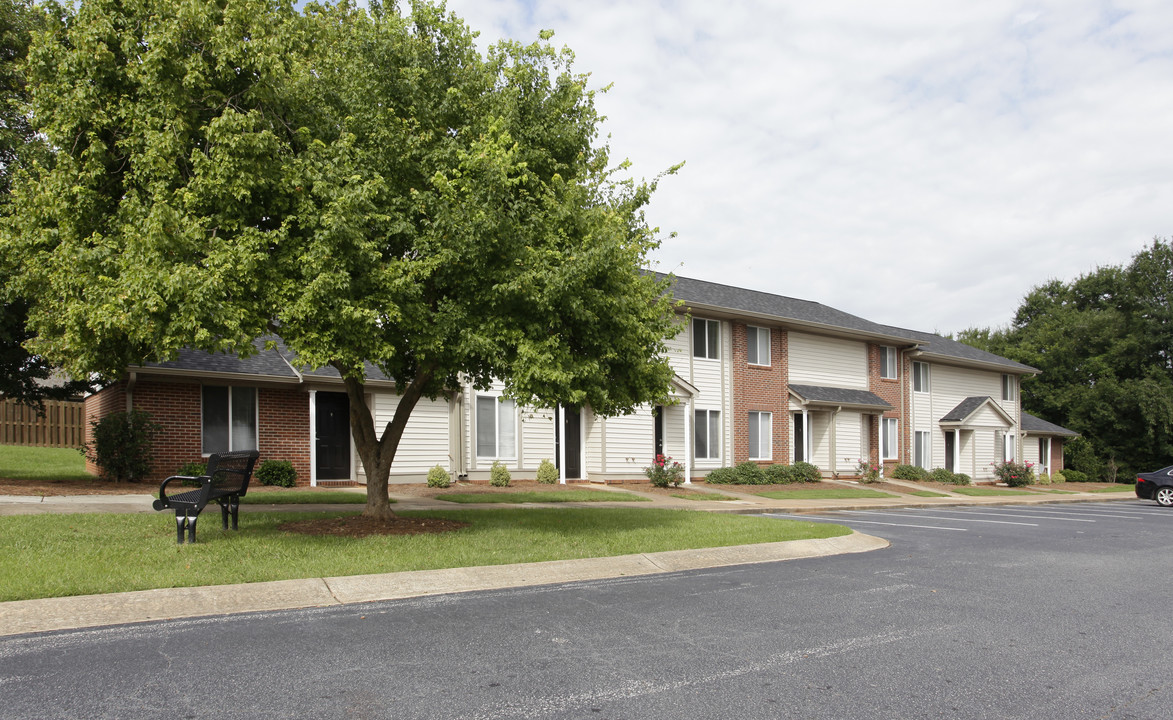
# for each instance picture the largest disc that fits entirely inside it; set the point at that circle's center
(83, 611)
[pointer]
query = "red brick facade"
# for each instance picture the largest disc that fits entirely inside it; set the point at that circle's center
(282, 432)
(897, 393)
(763, 388)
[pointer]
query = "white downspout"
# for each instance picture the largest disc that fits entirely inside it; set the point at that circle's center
(806, 435)
(688, 443)
(560, 432)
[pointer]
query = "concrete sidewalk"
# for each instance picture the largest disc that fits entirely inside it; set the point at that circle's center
(28, 616)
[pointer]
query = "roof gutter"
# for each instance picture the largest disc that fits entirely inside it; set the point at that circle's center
(735, 313)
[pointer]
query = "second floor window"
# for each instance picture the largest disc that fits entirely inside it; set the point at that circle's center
(706, 338)
(1009, 386)
(920, 377)
(757, 345)
(887, 362)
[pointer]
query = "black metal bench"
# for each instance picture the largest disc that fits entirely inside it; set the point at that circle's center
(225, 481)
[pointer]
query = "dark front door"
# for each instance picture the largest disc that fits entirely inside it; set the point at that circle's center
(950, 443)
(571, 430)
(799, 438)
(332, 444)
(658, 413)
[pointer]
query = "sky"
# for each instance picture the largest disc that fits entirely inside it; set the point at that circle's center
(920, 164)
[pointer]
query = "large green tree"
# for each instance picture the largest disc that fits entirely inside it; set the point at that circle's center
(1104, 344)
(364, 183)
(24, 376)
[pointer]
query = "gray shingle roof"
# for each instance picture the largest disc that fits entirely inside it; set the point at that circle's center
(1038, 426)
(839, 396)
(965, 408)
(728, 297)
(274, 363)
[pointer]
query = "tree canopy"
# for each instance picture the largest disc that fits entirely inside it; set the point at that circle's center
(1104, 344)
(366, 184)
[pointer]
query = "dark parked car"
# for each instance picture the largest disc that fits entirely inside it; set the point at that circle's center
(1156, 486)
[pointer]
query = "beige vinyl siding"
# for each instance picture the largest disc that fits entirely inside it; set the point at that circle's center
(630, 442)
(821, 440)
(1030, 451)
(537, 437)
(425, 438)
(674, 440)
(680, 350)
(950, 385)
(594, 449)
(847, 442)
(831, 362)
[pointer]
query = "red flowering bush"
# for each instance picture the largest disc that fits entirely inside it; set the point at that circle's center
(1014, 474)
(665, 471)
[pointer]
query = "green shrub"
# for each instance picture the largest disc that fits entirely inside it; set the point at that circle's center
(499, 474)
(721, 476)
(1014, 474)
(664, 472)
(1043, 479)
(779, 474)
(1074, 476)
(438, 477)
(867, 471)
(748, 473)
(277, 472)
(121, 445)
(1079, 455)
(1058, 477)
(547, 473)
(942, 475)
(910, 472)
(192, 470)
(807, 473)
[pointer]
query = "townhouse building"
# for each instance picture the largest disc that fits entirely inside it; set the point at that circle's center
(758, 377)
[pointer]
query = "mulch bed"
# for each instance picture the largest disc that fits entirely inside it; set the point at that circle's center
(9, 486)
(360, 526)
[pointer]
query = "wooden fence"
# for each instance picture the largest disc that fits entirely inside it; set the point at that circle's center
(62, 425)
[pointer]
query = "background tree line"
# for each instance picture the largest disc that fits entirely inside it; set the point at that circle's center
(1104, 344)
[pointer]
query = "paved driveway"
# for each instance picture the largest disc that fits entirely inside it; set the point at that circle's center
(1006, 612)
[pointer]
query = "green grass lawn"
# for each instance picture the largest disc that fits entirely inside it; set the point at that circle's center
(985, 491)
(39, 463)
(59, 555)
(824, 494)
(304, 497)
(1054, 491)
(702, 496)
(928, 493)
(1114, 488)
(551, 496)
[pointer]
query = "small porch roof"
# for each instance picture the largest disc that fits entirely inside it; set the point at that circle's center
(821, 396)
(1037, 426)
(964, 414)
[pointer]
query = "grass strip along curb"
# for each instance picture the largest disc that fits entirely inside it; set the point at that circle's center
(61, 555)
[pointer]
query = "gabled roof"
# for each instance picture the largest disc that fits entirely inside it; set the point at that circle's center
(820, 395)
(278, 364)
(703, 295)
(968, 407)
(1037, 426)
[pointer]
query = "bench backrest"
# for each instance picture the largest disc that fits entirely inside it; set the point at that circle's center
(230, 471)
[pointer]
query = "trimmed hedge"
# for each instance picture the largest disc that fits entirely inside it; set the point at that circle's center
(277, 472)
(910, 472)
(749, 473)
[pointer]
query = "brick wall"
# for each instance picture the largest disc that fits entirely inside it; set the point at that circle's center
(99, 405)
(761, 388)
(889, 390)
(282, 432)
(1057, 454)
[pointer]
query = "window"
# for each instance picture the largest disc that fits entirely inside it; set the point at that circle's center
(920, 377)
(706, 338)
(758, 345)
(760, 435)
(496, 427)
(708, 434)
(888, 362)
(1008, 387)
(889, 445)
(229, 419)
(1008, 447)
(923, 449)
(1045, 455)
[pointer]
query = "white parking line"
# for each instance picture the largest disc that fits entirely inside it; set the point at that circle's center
(1008, 514)
(853, 521)
(933, 517)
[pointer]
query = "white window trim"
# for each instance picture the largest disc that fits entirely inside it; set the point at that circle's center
(710, 327)
(886, 352)
(1045, 462)
(1009, 388)
(756, 332)
(256, 418)
(711, 455)
(924, 368)
(497, 397)
(893, 449)
(926, 444)
(766, 443)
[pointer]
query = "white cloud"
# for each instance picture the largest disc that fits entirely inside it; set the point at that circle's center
(922, 164)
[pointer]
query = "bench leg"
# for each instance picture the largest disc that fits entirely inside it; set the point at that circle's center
(191, 523)
(180, 524)
(234, 503)
(224, 515)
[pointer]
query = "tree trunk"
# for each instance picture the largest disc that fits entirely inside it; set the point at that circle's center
(377, 453)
